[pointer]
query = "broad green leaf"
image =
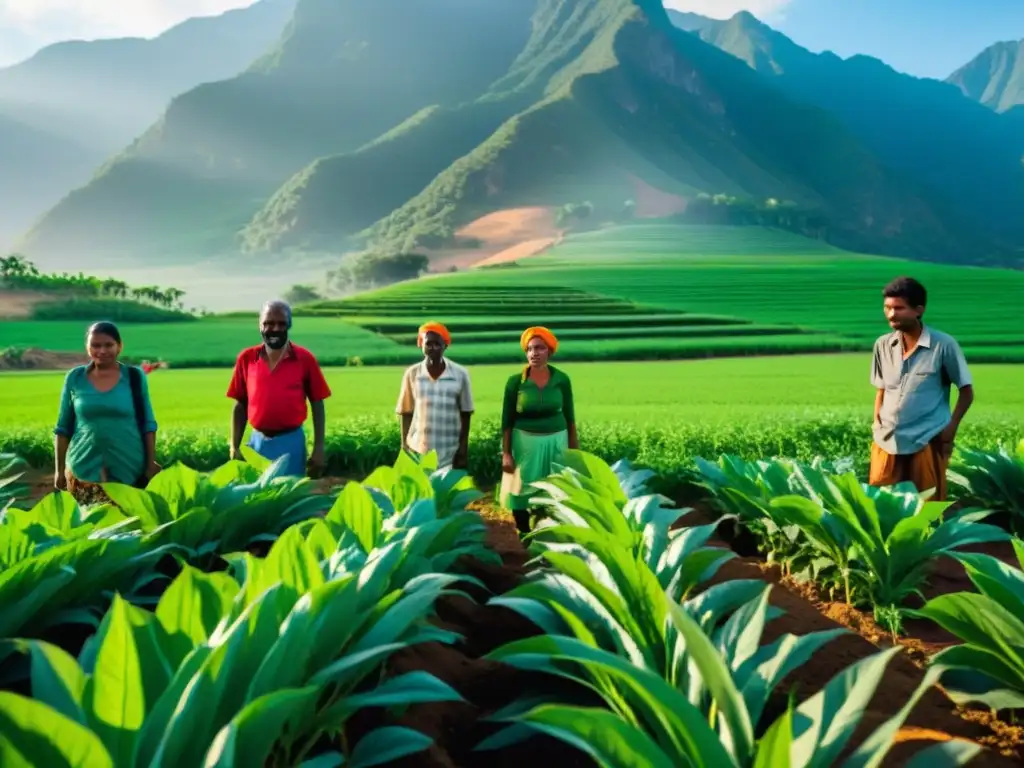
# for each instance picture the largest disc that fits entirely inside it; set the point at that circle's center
(178, 486)
(194, 603)
(114, 697)
(35, 735)
(250, 736)
(986, 675)
(978, 620)
(386, 744)
(589, 465)
(151, 509)
(600, 734)
(57, 680)
(824, 723)
(945, 754)
(254, 459)
(292, 563)
(715, 674)
(357, 511)
(773, 749)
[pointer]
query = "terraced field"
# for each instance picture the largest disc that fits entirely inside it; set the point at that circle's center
(664, 290)
(640, 292)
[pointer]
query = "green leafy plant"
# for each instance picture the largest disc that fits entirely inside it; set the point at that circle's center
(650, 722)
(12, 469)
(989, 665)
(233, 673)
(993, 479)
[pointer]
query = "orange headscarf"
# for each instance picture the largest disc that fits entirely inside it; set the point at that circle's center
(433, 327)
(542, 333)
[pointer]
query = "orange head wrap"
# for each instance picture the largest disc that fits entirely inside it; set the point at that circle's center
(433, 327)
(539, 332)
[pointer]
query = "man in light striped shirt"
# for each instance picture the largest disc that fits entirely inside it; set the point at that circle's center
(436, 402)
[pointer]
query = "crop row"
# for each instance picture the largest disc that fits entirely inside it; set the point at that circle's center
(682, 672)
(358, 445)
(271, 661)
(265, 663)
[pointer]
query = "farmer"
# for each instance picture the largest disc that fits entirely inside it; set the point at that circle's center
(538, 423)
(435, 402)
(270, 386)
(912, 370)
(106, 431)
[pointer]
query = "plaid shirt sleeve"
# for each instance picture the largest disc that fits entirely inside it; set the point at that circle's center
(466, 394)
(406, 398)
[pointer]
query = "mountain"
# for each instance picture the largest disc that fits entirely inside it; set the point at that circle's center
(967, 158)
(344, 72)
(995, 78)
(361, 129)
(616, 98)
(87, 100)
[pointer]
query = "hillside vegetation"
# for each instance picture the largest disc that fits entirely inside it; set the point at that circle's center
(67, 109)
(628, 101)
(25, 291)
(360, 132)
(342, 74)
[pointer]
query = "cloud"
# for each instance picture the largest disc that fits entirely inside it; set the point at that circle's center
(47, 21)
(723, 9)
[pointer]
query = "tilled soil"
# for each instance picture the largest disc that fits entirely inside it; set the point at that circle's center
(486, 686)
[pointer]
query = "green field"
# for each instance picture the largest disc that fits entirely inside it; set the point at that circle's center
(661, 413)
(757, 276)
(647, 291)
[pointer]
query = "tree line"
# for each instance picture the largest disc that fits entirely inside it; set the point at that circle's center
(17, 272)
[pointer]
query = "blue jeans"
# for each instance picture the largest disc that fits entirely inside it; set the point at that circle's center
(291, 444)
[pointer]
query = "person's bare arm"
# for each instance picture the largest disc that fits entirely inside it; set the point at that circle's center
(319, 413)
(150, 441)
(964, 401)
(574, 441)
(406, 422)
(239, 416)
(60, 455)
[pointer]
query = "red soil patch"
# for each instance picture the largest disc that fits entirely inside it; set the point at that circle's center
(808, 610)
(653, 203)
(18, 305)
(529, 230)
(457, 728)
(35, 359)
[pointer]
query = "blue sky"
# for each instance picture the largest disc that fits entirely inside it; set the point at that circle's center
(929, 38)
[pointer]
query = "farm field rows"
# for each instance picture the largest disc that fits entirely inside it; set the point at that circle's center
(192, 609)
(660, 413)
(643, 291)
(744, 276)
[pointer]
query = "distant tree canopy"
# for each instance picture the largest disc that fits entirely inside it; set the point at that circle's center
(17, 272)
(302, 294)
(737, 211)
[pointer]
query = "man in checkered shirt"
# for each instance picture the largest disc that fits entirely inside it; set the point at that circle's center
(436, 402)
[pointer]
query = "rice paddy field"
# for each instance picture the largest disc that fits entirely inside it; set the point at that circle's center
(647, 291)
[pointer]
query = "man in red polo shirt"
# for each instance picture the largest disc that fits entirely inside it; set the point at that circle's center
(270, 386)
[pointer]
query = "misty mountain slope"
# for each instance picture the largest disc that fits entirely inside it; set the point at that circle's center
(640, 102)
(98, 96)
(967, 156)
(330, 199)
(995, 77)
(344, 72)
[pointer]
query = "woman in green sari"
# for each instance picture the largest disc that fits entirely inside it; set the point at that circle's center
(538, 423)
